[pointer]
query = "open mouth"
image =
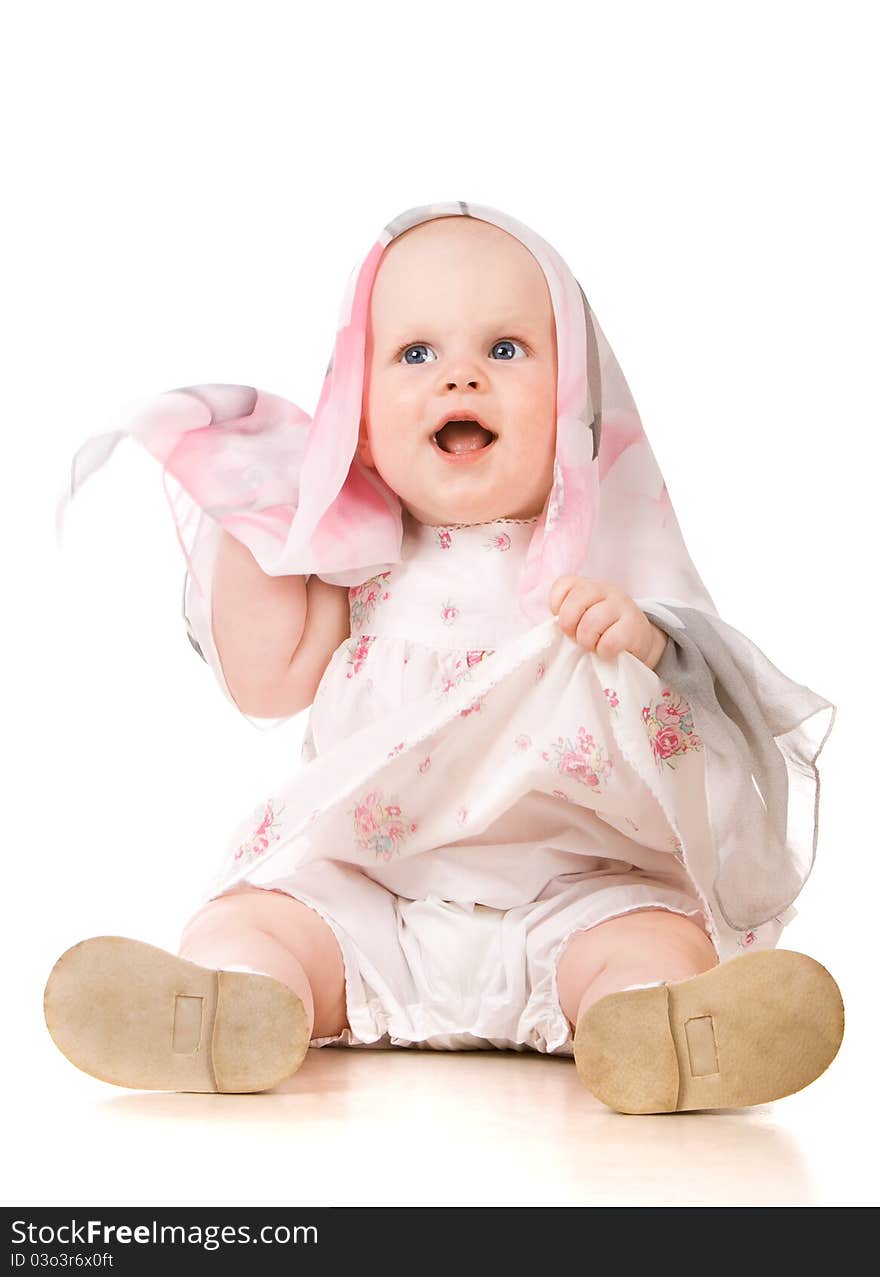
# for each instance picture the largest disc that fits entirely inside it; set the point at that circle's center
(463, 436)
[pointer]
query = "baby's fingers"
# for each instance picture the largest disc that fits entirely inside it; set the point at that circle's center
(565, 589)
(614, 640)
(595, 622)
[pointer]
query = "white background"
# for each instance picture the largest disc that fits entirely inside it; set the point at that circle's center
(188, 187)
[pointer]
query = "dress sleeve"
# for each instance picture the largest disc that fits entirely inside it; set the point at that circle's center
(763, 734)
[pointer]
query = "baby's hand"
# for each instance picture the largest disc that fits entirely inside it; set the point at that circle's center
(605, 620)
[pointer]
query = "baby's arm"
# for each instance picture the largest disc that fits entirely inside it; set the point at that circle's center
(274, 634)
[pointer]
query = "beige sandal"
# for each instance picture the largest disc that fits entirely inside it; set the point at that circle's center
(136, 1016)
(750, 1030)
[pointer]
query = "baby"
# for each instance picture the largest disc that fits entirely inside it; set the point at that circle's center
(535, 812)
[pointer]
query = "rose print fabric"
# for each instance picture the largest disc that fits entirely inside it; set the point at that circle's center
(457, 716)
(464, 787)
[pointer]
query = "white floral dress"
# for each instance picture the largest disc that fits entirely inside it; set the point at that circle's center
(476, 789)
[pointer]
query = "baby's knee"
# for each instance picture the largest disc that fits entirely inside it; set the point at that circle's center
(219, 917)
(274, 913)
(640, 946)
(273, 932)
(643, 932)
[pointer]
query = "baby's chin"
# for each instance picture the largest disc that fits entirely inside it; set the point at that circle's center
(440, 514)
(466, 494)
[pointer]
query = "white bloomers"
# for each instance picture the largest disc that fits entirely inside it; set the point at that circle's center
(448, 976)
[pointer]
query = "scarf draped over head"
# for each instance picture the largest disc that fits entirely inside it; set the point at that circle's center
(291, 488)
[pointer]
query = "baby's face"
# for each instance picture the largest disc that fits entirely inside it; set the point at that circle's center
(461, 326)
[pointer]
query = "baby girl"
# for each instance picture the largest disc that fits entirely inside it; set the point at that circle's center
(549, 800)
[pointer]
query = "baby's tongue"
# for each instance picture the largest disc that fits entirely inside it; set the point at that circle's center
(463, 436)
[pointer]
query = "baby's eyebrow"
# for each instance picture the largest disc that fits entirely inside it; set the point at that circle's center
(499, 326)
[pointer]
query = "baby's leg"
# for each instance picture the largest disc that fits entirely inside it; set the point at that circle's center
(715, 1035)
(634, 948)
(272, 933)
(135, 1015)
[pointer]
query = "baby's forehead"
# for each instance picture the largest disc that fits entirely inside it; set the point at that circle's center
(465, 257)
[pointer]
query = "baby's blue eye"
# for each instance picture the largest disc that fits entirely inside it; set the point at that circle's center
(507, 342)
(417, 346)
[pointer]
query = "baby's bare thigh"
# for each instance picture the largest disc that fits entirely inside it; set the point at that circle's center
(291, 924)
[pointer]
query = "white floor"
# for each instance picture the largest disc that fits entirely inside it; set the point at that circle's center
(402, 1127)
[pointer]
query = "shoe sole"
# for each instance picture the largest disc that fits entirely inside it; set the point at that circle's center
(749, 1031)
(136, 1016)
